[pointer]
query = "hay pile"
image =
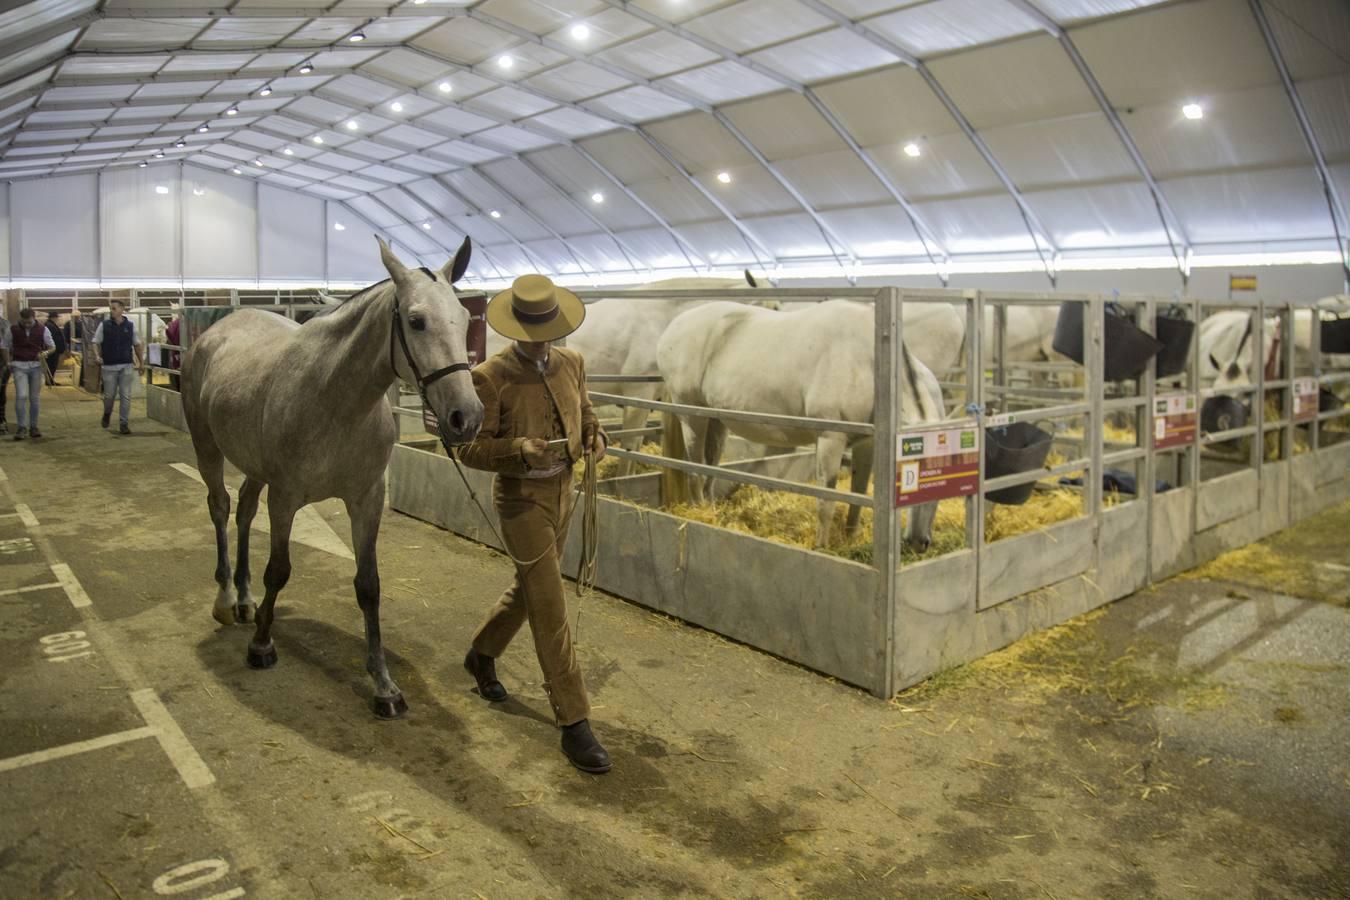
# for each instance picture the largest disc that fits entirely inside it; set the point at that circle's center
(609, 466)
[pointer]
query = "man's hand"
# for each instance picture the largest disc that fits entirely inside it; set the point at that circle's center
(592, 442)
(537, 454)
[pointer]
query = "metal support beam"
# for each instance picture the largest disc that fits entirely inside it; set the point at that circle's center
(1329, 190)
(581, 208)
(501, 189)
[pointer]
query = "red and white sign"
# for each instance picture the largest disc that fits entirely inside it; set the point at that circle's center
(934, 465)
(1305, 399)
(1174, 421)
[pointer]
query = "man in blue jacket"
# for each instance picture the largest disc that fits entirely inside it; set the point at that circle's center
(115, 348)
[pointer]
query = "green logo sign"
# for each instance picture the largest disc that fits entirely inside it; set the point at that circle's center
(967, 440)
(911, 446)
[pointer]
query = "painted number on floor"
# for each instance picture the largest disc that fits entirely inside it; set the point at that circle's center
(11, 546)
(194, 875)
(65, 646)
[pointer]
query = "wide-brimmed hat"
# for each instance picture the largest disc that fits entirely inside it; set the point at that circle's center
(535, 309)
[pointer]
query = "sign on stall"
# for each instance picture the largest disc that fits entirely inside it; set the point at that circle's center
(1241, 283)
(937, 464)
(1174, 421)
(1305, 399)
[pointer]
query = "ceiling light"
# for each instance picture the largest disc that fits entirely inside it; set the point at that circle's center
(288, 151)
(505, 61)
(318, 139)
(161, 189)
(232, 111)
(258, 163)
(418, 2)
(912, 150)
(306, 67)
(396, 106)
(159, 154)
(426, 226)
(356, 37)
(266, 89)
(338, 226)
(199, 192)
(597, 197)
(495, 214)
(142, 164)
(581, 32)
(203, 128)
(444, 87)
(1193, 111)
(724, 177)
(180, 143)
(351, 125)
(237, 171)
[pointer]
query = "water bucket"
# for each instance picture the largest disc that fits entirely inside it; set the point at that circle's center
(1221, 413)
(1010, 449)
(1336, 335)
(1128, 349)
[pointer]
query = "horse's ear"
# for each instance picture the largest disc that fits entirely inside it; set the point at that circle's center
(454, 270)
(750, 279)
(392, 264)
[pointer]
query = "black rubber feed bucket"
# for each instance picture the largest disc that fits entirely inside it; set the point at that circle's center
(1336, 335)
(1327, 401)
(1128, 349)
(1175, 334)
(1010, 449)
(1221, 414)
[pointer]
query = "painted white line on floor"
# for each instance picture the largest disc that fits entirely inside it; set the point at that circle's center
(78, 598)
(190, 766)
(32, 587)
(25, 515)
(98, 743)
(3, 476)
(189, 471)
(228, 895)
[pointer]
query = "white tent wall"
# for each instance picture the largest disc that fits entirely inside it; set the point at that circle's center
(4, 230)
(220, 225)
(139, 224)
(292, 244)
(54, 228)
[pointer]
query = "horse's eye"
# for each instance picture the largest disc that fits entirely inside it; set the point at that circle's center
(418, 323)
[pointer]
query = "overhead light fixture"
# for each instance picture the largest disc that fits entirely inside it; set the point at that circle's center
(581, 32)
(265, 91)
(318, 139)
(232, 111)
(597, 197)
(356, 37)
(494, 214)
(159, 154)
(419, 2)
(306, 67)
(199, 192)
(1193, 111)
(351, 125)
(237, 171)
(288, 151)
(258, 163)
(180, 143)
(426, 226)
(203, 128)
(504, 61)
(444, 87)
(724, 177)
(161, 189)
(912, 150)
(396, 106)
(142, 164)
(338, 226)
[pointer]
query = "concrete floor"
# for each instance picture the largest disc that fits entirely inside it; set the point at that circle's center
(1189, 741)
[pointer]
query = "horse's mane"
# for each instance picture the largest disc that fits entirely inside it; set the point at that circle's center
(354, 299)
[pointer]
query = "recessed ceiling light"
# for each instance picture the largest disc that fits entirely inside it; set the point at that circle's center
(351, 125)
(505, 61)
(159, 154)
(237, 171)
(318, 139)
(180, 143)
(426, 226)
(418, 2)
(288, 151)
(356, 37)
(495, 214)
(396, 106)
(581, 32)
(912, 149)
(161, 189)
(232, 111)
(258, 163)
(1193, 111)
(724, 177)
(338, 226)
(444, 87)
(203, 128)
(199, 192)
(266, 89)
(597, 197)
(142, 164)
(306, 68)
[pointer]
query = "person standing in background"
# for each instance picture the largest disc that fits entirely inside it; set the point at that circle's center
(115, 346)
(6, 354)
(31, 343)
(171, 336)
(59, 340)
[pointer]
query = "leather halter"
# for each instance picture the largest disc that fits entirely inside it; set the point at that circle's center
(419, 380)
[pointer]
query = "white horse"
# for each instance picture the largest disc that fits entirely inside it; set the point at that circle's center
(319, 426)
(815, 363)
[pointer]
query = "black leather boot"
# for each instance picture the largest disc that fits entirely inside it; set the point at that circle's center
(583, 750)
(484, 671)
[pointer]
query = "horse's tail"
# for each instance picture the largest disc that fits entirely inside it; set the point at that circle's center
(674, 484)
(929, 410)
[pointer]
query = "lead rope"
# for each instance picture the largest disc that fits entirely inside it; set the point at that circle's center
(590, 537)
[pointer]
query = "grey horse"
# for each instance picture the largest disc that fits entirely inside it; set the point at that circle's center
(302, 411)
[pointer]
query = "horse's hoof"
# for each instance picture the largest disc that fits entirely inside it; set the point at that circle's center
(389, 707)
(223, 614)
(262, 657)
(243, 613)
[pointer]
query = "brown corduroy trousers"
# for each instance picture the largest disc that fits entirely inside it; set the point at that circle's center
(533, 514)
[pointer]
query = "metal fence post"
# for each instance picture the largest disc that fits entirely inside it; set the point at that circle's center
(1143, 434)
(1258, 454)
(885, 527)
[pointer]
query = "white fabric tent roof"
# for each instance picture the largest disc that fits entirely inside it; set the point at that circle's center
(1044, 129)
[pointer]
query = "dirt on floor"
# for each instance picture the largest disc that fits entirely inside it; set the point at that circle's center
(1188, 741)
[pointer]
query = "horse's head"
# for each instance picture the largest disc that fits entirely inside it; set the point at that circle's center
(430, 341)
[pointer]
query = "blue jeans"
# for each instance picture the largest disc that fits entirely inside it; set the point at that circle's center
(27, 392)
(117, 381)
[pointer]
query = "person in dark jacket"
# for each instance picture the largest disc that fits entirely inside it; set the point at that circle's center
(31, 344)
(118, 351)
(60, 342)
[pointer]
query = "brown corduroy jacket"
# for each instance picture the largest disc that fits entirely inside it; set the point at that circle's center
(516, 406)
